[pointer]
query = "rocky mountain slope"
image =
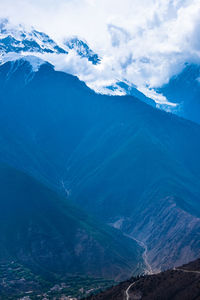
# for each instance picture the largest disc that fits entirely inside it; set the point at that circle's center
(130, 165)
(175, 284)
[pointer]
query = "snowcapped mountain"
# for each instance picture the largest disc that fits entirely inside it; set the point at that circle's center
(37, 47)
(19, 40)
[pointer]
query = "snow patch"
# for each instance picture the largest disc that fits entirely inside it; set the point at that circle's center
(34, 61)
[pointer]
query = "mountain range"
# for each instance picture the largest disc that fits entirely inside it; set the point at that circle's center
(134, 160)
(21, 42)
(91, 184)
(37, 47)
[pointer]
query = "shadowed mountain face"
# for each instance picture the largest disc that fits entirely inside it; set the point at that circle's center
(42, 231)
(120, 159)
(184, 89)
(181, 283)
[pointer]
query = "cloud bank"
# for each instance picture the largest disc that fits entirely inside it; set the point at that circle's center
(144, 42)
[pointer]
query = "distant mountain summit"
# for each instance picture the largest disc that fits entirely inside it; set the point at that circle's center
(19, 40)
(82, 49)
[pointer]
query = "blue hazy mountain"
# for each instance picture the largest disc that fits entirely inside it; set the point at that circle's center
(118, 158)
(184, 89)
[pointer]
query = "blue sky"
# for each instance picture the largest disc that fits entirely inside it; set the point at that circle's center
(142, 41)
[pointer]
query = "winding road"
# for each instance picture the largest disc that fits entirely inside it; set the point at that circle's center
(127, 290)
(187, 271)
(175, 269)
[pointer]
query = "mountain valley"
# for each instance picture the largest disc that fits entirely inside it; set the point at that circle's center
(99, 183)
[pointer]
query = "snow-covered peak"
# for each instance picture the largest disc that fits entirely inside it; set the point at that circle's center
(82, 49)
(17, 39)
(73, 55)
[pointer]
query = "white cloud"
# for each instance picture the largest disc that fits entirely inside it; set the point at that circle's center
(142, 41)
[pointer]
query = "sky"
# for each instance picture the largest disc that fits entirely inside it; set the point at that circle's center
(142, 41)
